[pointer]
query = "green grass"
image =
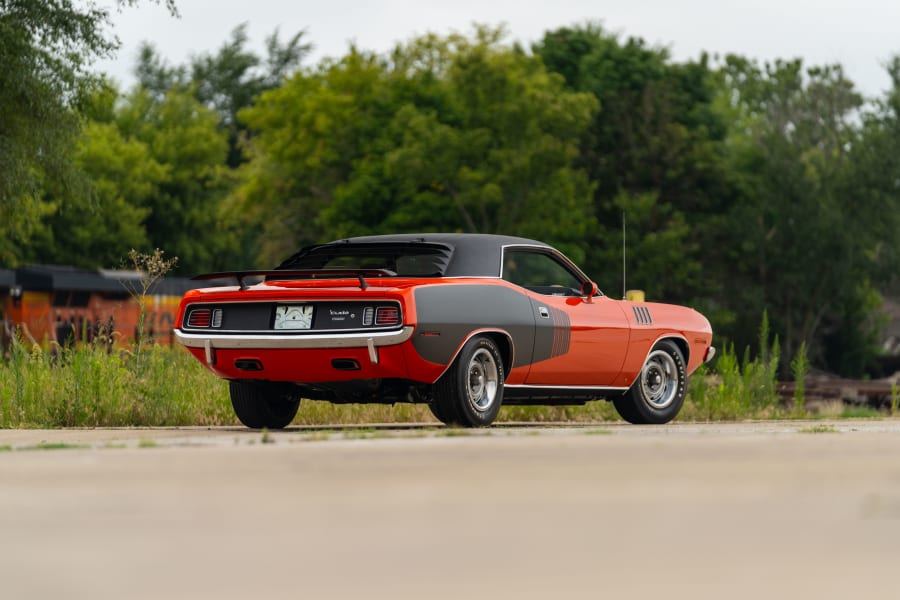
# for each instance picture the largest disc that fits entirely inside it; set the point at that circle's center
(44, 446)
(597, 432)
(819, 429)
(161, 386)
(368, 433)
(88, 387)
(861, 412)
(453, 432)
(895, 399)
(54, 446)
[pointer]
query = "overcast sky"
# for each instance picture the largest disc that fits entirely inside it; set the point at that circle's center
(860, 34)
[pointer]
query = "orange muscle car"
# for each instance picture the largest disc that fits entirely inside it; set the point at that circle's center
(462, 322)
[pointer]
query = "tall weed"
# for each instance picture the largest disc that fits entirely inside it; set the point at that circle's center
(89, 386)
(799, 369)
(737, 388)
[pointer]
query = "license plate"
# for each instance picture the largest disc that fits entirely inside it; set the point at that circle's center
(294, 316)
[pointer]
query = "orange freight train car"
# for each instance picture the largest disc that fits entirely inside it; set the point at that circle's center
(62, 304)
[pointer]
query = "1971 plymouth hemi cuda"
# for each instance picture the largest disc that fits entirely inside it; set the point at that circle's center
(462, 322)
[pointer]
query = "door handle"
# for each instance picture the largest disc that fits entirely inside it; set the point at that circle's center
(544, 312)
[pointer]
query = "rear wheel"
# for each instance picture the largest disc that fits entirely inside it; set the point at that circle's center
(438, 412)
(470, 393)
(658, 393)
(259, 405)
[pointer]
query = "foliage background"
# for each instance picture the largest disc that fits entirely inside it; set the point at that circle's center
(746, 186)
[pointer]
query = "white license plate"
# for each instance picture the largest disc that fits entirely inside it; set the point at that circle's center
(294, 316)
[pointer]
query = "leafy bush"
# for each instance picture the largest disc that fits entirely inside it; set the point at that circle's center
(737, 389)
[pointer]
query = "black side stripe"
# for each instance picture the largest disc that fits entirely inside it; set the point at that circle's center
(562, 331)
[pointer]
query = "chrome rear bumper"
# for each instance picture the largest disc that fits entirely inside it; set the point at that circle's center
(294, 341)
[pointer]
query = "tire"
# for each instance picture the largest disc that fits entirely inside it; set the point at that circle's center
(470, 393)
(657, 395)
(259, 405)
(438, 413)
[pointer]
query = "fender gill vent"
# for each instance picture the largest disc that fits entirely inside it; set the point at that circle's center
(642, 315)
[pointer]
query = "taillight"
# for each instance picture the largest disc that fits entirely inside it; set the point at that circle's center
(387, 315)
(200, 317)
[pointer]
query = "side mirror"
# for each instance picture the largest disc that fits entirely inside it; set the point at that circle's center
(588, 290)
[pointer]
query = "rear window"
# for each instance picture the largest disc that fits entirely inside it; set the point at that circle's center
(406, 260)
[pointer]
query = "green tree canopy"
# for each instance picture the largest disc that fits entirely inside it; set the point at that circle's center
(226, 81)
(797, 236)
(46, 47)
(654, 154)
(157, 179)
(184, 215)
(452, 134)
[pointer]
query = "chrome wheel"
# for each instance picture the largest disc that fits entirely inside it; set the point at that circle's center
(470, 393)
(483, 380)
(659, 379)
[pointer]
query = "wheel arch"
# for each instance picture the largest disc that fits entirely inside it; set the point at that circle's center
(505, 345)
(500, 337)
(639, 404)
(680, 343)
(676, 338)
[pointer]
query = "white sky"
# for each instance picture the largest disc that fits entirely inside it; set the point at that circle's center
(860, 34)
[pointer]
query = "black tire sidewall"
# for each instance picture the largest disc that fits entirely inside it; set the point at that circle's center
(640, 410)
(439, 413)
(260, 405)
(451, 391)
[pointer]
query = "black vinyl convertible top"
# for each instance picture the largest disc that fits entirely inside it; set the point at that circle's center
(426, 254)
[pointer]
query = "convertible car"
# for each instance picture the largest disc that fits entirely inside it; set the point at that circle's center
(462, 322)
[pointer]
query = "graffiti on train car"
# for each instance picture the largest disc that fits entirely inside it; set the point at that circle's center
(66, 305)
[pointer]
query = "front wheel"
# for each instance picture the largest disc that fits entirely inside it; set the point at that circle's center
(471, 391)
(658, 393)
(259, 405)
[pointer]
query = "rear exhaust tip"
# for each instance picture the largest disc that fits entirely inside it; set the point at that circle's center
(248, 364)
(345, 364)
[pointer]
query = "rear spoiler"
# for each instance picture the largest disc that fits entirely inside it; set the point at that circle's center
(276, 274)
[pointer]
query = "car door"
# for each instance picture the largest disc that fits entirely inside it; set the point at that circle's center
(579, 341)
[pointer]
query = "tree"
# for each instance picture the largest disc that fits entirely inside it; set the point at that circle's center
(46, 47)
(185, 213)
(798, 239)
(654, 154)
(157, 179)
(870, 189)
(227, 81)
(873, 183)
(312, 131)
(450, 134)
(98, 228)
